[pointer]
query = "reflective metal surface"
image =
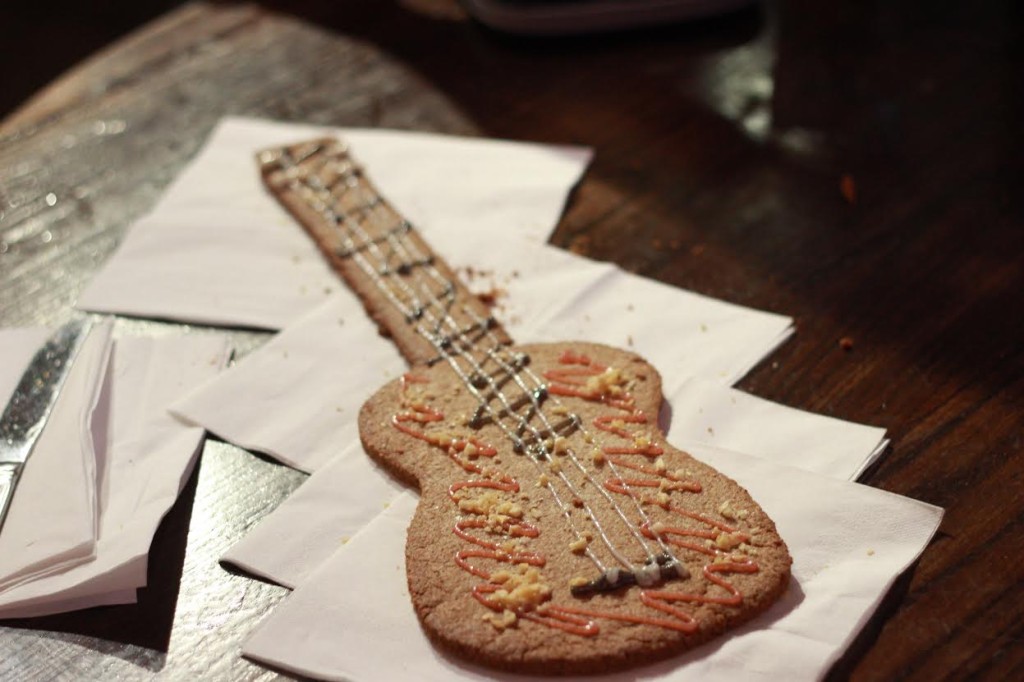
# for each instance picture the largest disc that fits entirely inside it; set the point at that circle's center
(30, 404)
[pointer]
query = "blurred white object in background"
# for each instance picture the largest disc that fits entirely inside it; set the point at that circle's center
(560, 17)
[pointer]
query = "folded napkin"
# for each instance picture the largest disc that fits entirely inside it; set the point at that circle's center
(313, 377)
(288, 545)
(705, 413)
(291, 542)
(52, 523)
(218, 249)
(849, 543)
(144, 457)
(296, 398)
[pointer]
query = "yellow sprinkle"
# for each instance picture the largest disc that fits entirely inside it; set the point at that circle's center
(506, 620)
(728, 541)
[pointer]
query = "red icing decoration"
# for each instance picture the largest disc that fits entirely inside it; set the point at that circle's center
(571, 381)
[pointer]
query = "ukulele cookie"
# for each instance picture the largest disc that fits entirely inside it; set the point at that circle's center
(557, 531)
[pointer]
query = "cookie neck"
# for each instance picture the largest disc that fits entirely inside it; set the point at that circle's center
(410, 292)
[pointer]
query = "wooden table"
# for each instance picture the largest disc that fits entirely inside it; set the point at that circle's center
(855, 165)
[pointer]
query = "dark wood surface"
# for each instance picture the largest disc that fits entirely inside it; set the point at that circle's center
(856, 165)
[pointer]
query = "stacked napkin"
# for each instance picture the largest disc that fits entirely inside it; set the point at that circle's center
(106, 468)
(218, 249)
(46, 533)
(287, 548)
(849, 542)
(332, 542)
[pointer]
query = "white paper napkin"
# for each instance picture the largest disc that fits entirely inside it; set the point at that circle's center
(324, 513)
(849, 543)
(52, 522)
(296, 399)
(682, 334)
(288, 545)
(705, 413)
(147, 457)
(218, 250)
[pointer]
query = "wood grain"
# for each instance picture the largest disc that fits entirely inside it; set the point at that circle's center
(856, 165)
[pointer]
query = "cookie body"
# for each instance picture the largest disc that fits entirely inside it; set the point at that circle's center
(582, 542)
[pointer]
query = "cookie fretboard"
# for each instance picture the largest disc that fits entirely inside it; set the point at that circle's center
(408, 289)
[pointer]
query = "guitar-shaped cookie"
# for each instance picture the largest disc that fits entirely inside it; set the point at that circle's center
(557, 531)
